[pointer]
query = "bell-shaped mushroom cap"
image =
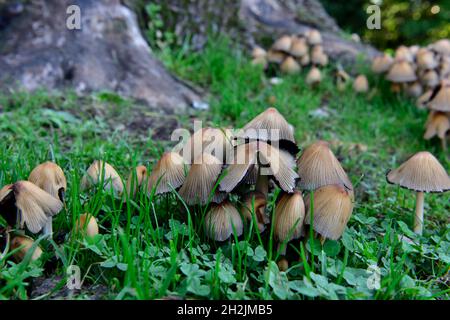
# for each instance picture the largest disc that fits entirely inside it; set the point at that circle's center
(318, 166)
(269, 125)
(290, 66)
(381, 64)
(260, 61)
(222, 221)
(361, 84)
(255, 202)
(274, 56)
(258, 52)
(438, 123)
(283, 44)
(314, 76)
(426, 59)
(168, 173)
(430, 78)
(289, 216)
(314, 37)
(305, 60)
(422, 172)
(333, 206)
(201, 180)
(424, 99)
(49, 177)
(86, 225)
(100, 171)
(401, 71)
(403, 53)
(440, 98)
(212, 141)
(34, 204)
(299, 47)
(23, 245)
(135, 180)
(277, 163)
(442, 46)
(414, 89)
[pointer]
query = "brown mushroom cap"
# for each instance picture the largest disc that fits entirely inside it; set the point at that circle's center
(401, 71)
(430, 78)
(274, 56)
(438, 123)
(361, 84)
(255, 202)
(283, 44)
(333, 206)
(318, 166)
(305, 60)
(96, 170)
(440, 98)
(258, 52)
(201, 180)
(314, 76)
(87, 225)
(314, 37)
(414, 89)
(381, 64)
(24, 244)
(49, 177)
(441, 46)
(426, 59)
(135, 180)
(290, 66)
(422, 173)
(403, 53)
(168, 173)
(34, 204)
(299, 47)
(222, 220)
(289, 216)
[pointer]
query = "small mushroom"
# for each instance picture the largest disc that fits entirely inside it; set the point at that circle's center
(430, 79)
(23, 245)
(86, 225)
(168, 173)
(438, 124)
(333, 206)
(401, 71)
(24, 203)
(318, 166)
(314, 37)
(426, 59)
(222, 221)
(290, 66)
(102, 172)
(313, 77)
(305, 60)
(289, 217)
(274, 56)
(403, 53)
(361, 85)
(382, 64)
(135, 179)
(421, 173)
(283, 44)
(318, 57)
(299, 47)
(254, 202)
(414, 89)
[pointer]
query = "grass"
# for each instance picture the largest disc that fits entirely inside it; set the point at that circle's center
(154, 247)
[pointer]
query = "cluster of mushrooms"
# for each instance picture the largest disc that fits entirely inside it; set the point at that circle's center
(229, 174)
(423, 73)
(290, 53)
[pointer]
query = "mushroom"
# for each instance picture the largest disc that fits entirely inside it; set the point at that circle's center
(102, 172)
(254, 203)
(49, 177)
(299, 47)
(86, 225)
(441, 46)
(290, 66)
(223, 220)
(135, 180)
(440, 98)
(201, 180)
(438, 123)
(426, 59)
(305, 60)
(430, 78)
(313, 77)
(382, 64)
(318, 166)
(289, 218)
(403, 53)
(283, 44)
(271, 162)
(361, 85)
(318, 57)
(414, 89)
(168, 174)
(401, 71)
(24, 203)
(259, 52)
(421, 173)
(333, 206)
(314, 37)
(274, 56)
(22, 245)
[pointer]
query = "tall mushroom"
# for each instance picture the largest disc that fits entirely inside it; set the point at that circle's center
(169, 173)
(223, 220)
(421, 173)
(102, 172)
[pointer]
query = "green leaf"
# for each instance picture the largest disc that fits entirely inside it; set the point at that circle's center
(260, 254)
(332, 248)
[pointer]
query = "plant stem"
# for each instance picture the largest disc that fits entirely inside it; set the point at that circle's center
(418, 219)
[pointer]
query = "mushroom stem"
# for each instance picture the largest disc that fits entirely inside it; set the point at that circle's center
(418, 219)
(48, 228)
(262, 184)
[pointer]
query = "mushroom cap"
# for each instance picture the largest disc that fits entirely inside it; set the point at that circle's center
(314, 37)
(440, 98)
(258, 52)
(438, 123)
(361, 84)
(290, 66)
(422, 173)
(430, 78)
(299, 47)
(201, 180)
(314, 76)
(24, 244)
(221, 220)
(87, 225)
(135, 180)
(289, 216)
(305, 60)
(275, 163)
(318, 166)
(34, 204)
(403, 53)
(333, 206)
(414, 89)
(426, 59)
(274, 56)
(381, 64)
(283, 44)
(101, 171)
(401, 71)
(269, 125)
(49, 177)
(255, 202)
(168, 173)
(441, 46)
